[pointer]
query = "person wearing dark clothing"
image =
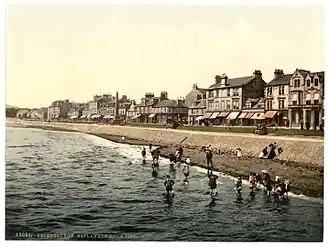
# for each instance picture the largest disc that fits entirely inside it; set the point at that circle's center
(308, 125)
(272, 153)
(315, 126)
(169, 185)
(144, 153)
(150, 146)
(301, 125)
(321, 127)
(209, 156)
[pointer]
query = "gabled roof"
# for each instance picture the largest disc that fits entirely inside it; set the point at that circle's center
(281, 80)
(234, 82)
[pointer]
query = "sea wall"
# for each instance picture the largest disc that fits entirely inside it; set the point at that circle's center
(295, 149)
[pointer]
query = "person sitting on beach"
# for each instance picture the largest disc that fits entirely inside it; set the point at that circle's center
(272, 153)
(264, 153)
(144, 153)
(169, 185)
(185, 169)
(238, 153)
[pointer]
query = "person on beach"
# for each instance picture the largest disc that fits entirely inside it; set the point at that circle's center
(264, 153)
(172, 160)
(238, 188)
(213, 184)
(180, 152)
(209, 156)
(253, 182)
(185, 169)
(169, 185)
(144, 153)
(150, 146)
(272, 153)
(238, 153)
(266, 182)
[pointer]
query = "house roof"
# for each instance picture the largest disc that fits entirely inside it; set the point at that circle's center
(167, 103)
(234, 82)
(198, 104)
(281, 80)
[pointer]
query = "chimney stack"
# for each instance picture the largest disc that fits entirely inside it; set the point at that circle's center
(257, 74)
(278, 73)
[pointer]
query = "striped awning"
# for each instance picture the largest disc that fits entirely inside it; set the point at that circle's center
(83, 116)
(243, 114)
(214, 115)
(258, 116)
(249, 115)
(224, 114)
(233, 115)
(207, 115)
(56, 116)
(270, 114)
(89, 115)
(136, 116)
(72, 117)
(151, 115)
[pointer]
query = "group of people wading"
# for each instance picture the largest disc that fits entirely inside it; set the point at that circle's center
(280, 188)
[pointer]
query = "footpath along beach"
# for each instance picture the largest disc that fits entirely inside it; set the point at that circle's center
(305, 176)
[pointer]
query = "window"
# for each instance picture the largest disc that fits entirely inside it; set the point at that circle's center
(217, 105)
(235, 92)
(222, 105)
(308, 83)
(281, 90)
(235, 104)
(228, 92)
(316, 101)
(217, 93)
(269, 90)
(281, 104)
(316, 82)
(294, 102)
(228, 104)
(269, 104)
(308, 102)
(296, 83)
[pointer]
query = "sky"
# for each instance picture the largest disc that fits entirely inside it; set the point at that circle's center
(73, 52)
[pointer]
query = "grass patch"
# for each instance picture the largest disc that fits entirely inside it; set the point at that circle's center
(248, 130)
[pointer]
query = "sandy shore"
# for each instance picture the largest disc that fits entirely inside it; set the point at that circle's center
(305, 178)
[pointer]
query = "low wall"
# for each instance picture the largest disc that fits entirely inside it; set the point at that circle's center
(301, 150)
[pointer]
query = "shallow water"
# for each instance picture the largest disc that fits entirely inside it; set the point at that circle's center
(72, 183)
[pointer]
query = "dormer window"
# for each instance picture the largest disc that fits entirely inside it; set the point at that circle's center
(316, 82)
(308, 83)
(296, 83)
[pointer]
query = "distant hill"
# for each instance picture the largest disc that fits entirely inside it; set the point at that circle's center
(10, 106)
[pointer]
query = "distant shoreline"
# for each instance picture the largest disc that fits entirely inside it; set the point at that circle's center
(305, 179)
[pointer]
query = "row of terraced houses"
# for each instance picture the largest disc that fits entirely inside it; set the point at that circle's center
(291, 100)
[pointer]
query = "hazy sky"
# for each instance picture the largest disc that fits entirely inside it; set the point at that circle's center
(76, 51)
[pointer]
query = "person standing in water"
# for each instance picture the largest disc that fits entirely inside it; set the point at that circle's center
(169, 185)
(144, 153)
(209, 156)
(185, 169)
(213, 184)
(238, 188)
(150, 146)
